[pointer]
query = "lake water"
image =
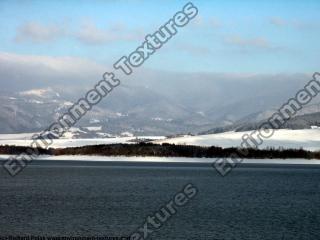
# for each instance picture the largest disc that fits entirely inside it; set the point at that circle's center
(112, 199)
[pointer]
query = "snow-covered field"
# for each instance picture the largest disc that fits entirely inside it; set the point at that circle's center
(162, 159)
(18, 136)
(24, 140)
(309, 139)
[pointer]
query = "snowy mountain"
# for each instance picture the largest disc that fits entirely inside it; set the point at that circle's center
(308, 139)
(149, 103)
(149, 114)
(305, 119)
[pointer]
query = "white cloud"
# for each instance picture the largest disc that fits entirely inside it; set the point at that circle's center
(21, 72)
(57, 64)
(295, 24)
(194, 49)
(201, 22)
(215, 23)
(91, 34)
(88, 33)
(28, 71)
(37, 32)
(249, 42)
(279, 22)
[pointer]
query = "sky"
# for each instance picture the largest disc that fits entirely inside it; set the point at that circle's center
(227, 36)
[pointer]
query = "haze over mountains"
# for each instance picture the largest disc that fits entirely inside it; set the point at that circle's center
(36, 90)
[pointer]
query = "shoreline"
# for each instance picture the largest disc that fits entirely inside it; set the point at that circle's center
(159, 160)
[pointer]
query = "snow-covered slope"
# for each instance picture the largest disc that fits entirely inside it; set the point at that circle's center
(138, 159)
(308, 139)
(24, 140)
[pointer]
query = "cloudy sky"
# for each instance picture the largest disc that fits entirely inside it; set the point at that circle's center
(227, 36)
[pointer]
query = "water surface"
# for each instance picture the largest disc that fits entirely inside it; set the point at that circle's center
(94, 199)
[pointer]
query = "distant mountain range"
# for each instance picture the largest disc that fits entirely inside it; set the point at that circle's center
(307, 118)
(149, 114)
(159, 104)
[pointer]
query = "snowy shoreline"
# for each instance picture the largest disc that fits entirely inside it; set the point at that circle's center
(308, 139)
(138, 159)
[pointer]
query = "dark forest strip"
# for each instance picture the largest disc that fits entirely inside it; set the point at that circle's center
(165, 150)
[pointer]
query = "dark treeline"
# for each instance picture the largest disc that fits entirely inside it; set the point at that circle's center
(166, 150)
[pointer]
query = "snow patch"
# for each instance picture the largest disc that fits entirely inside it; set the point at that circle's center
(94, 121)
(127, 134)
(309, 139)
(94, 129)
(163, 159)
